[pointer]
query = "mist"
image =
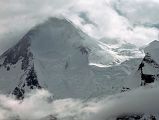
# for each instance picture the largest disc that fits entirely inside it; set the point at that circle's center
(124, 20)
(40, 103)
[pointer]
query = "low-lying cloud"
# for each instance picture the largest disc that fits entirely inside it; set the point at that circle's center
(40, 104)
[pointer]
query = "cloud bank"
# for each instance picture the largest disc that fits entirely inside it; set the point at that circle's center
(38, 105)
(133, 21)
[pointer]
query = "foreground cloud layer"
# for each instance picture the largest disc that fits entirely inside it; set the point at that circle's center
(39, 104)
(120, 19)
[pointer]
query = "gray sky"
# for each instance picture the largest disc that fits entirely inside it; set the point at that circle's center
(130, 20)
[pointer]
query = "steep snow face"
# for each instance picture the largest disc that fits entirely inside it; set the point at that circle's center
(12, 64)
(56, 55)
(153, 50)
(17, 69)
(53, 55)
(61, 59)
(148, 70)
(56, 36)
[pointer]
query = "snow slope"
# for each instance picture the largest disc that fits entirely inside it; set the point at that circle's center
(114, 51)
(52, 55)
(59, 57)
(146, 77)
(56, 56)
(148, 70)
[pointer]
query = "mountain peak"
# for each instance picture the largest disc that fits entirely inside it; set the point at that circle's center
(55, 54)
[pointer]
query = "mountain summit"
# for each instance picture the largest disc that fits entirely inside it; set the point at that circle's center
(52, 55)
(56, 55)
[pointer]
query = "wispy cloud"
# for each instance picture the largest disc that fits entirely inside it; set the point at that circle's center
(119, 19)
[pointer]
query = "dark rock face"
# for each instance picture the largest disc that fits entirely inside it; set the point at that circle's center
(19, 93)
(31, 82)
(147, 78)
(125, 89)
(8, 68)
(136, 117)
(19, 52)
(149, 60)
(84, 50)
(129, 117)
(152, 117)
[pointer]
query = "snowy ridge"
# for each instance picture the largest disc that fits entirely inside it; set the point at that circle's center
(115, 52)
(59, 57)
(56, 55)
(147, 76)
(53, 55)
(148, 70)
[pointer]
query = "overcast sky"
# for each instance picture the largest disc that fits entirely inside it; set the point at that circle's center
(135, 21)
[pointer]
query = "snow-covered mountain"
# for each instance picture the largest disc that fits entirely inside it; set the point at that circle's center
(58, 56)
(53, 55)
(146, 76)
(148, 70)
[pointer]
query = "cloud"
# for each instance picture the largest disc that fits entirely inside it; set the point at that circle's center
(124, 20)
(40, 104)
(111, 19)
(17, 17)
(139, 101)
(139, 11)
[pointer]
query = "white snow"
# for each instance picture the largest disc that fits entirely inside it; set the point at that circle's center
(149, 68)
(153, 50)
(10, 79)
(67, 61)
